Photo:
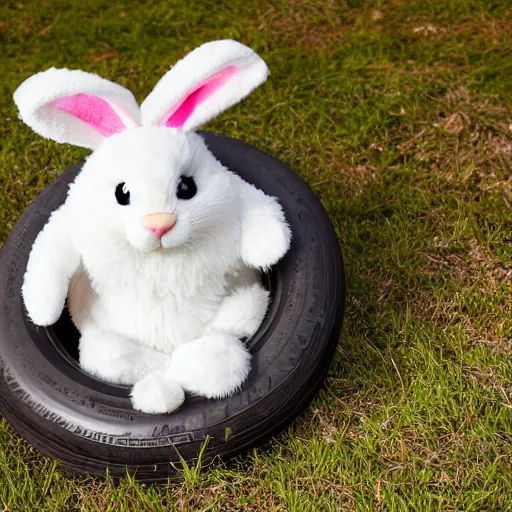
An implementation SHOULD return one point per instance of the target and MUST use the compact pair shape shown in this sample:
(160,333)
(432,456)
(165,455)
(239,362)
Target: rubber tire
(90,425)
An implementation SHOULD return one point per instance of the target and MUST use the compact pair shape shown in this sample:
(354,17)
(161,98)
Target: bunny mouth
(175,237)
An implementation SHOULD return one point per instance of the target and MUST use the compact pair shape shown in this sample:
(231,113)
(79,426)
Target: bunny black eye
(122,194)
(186,188)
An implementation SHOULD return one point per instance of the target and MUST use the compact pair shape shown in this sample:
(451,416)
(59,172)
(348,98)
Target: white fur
(266,236)
(36,97)
(241,312)
(52,263)
(125,361)
(155,394)
(221,364)
(165,315)
(195,68)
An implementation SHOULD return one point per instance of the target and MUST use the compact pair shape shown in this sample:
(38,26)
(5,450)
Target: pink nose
(159,223)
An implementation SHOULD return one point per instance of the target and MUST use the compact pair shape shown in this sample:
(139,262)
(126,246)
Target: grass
(399,116)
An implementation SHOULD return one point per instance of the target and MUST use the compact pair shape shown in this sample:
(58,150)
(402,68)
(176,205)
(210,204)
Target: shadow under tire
(90,425)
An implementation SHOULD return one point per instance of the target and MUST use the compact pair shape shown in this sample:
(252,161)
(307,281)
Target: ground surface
(399,116)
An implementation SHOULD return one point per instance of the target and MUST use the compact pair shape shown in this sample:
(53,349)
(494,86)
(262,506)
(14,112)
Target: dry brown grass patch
(469,262)
(465,139)
(495,30)
(305,24)
(337,169)
(488,380)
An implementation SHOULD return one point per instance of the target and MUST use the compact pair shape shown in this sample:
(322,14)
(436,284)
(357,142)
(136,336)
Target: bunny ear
(203,84)
(75,107)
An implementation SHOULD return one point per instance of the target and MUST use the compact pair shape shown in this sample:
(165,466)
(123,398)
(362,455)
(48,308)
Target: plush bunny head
(151,182)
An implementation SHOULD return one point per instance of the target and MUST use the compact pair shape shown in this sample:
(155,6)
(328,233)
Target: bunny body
(162,307)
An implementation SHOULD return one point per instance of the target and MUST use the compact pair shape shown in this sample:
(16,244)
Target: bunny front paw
(44,296)
(264,243)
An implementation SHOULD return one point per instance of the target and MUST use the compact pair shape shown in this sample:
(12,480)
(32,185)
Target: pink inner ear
(94,111)
(179,115)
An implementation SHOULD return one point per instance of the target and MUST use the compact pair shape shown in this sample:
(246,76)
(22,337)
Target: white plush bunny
(157,244)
